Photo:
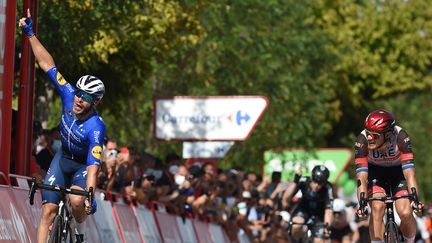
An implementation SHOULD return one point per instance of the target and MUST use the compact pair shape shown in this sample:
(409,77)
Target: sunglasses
(374,135)
(85,96)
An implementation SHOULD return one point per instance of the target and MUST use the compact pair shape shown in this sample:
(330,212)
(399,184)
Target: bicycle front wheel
(391,233)
(56,230)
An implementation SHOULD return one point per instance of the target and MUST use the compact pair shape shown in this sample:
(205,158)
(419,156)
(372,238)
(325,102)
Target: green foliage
(323,65)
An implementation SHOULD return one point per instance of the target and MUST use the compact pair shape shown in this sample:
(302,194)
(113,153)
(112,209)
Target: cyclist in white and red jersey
(384,160)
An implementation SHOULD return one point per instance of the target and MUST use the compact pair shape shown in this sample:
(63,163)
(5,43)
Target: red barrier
(30,214)
(217,233)
(127,223)
(186,228)
(202,231)
(147,224)
(168,227)
(12,225)
(113,222)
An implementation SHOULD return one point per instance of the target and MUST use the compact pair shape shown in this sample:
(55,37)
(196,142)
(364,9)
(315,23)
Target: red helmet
(380,121)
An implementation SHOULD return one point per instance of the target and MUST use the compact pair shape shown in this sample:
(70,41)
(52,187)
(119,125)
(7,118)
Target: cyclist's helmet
(320,174)
(91,85)
(380,121)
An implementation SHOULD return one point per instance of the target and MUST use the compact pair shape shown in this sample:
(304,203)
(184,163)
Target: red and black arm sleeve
(360,154)
(404,145)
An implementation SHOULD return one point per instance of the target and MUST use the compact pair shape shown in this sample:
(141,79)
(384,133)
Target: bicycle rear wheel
(56,230)
(391,233)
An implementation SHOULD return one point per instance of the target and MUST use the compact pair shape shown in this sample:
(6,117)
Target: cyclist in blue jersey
(82,131)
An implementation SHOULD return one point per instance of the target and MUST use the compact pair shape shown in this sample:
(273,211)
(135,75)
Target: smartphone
(112,154)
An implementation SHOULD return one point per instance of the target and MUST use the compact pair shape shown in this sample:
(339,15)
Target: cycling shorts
(63,172)
(386,180)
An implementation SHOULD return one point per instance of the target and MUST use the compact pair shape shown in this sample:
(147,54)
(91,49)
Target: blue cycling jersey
(82,140)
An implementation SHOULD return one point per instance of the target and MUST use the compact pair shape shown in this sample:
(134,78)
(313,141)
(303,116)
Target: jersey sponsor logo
(96,136)
(51,180)
(69,87)
(60,79)
(97,151)
(360,145)
(387,154)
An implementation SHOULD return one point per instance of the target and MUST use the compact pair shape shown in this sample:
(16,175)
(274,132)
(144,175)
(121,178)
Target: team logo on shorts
(60,79)
(96,151)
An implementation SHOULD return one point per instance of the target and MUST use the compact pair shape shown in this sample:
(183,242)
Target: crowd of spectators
(241,202)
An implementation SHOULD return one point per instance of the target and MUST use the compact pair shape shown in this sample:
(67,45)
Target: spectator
(44,153)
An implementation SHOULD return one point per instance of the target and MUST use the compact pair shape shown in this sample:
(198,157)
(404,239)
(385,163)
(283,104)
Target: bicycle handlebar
(363,200)
(34,185)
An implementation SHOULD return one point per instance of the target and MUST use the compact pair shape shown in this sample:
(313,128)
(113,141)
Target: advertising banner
(127,222)
(106,223)
(219,118)
(216,233)
(168,227)
(202,231)
(12,224)
(147,225)
(30,213)
(186,230)
(287,161)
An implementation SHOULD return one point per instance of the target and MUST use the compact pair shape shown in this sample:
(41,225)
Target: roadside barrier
(113,222)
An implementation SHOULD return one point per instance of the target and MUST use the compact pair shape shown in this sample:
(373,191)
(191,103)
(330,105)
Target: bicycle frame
(64,215)
(391,233)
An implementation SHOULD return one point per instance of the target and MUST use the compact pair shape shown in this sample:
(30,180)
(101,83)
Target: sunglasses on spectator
(374,135)
(84,96)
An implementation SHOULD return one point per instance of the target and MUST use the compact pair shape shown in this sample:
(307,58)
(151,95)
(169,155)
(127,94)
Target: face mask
(56,145)
(179,179)
(173,169)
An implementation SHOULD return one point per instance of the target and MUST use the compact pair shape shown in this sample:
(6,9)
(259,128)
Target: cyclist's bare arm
(44,59)
(407,157)
(288,194)
(362,180)
(411,179)
(328,216)
(92,171)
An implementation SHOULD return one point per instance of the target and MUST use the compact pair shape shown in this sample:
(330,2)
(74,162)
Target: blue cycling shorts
(63,172)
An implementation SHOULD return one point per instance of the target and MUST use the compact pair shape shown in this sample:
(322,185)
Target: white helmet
(92,85)
(338,205)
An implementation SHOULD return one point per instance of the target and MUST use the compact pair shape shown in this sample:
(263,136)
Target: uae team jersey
(397,153)
(82,140)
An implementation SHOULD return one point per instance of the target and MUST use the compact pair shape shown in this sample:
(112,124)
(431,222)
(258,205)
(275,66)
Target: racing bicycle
(391,233)
(64,226)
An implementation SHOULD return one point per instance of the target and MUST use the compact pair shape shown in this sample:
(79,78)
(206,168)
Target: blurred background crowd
(242,202)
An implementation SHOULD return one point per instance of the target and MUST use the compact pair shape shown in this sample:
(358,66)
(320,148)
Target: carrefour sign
(208,118)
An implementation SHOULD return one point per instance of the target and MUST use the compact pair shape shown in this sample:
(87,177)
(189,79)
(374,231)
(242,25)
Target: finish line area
(114,220)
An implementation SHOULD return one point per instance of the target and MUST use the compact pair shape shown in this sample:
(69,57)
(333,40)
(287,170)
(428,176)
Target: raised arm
(44,59)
